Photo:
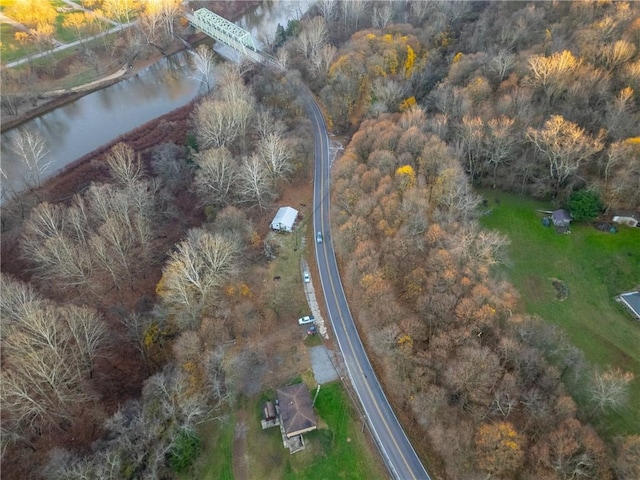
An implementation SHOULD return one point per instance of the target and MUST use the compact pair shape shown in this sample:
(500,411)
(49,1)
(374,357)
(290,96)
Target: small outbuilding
(627,218)
(631,301)
(561,218)
(269,411)
(284,220)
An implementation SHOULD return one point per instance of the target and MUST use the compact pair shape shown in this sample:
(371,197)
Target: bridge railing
(222,29)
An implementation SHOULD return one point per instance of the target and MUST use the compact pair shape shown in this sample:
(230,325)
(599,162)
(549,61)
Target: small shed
(627,218)
(631,300)
(284,219)
(561,218)
(296,410)
(269,411)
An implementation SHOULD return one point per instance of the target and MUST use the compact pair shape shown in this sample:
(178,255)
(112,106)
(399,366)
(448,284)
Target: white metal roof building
(284,219)
(631,300)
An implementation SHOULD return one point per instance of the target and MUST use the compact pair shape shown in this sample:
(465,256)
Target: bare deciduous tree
(204,61)
(327,8)
(610,389)
(275,152)
(553,74)
(217,123)
(124,165)
(255,185)
(32,150)
(622,174)
(472,375)
(382,15)
(322,58)
(158,18)
(216,177)
(195,272)
(500,143)
(617,54)
(502,63)
(312,36)
(54,254)
(472,136)
(48,357)
(565,146)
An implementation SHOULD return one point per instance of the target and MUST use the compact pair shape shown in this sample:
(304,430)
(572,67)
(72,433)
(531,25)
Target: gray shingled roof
(296,410)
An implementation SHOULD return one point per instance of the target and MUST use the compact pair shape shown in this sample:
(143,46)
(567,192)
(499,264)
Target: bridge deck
(223,30)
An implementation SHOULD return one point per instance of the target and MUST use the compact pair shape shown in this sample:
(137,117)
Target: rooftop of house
(296,409)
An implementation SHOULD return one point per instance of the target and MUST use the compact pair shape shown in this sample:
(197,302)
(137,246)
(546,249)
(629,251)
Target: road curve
(398,453)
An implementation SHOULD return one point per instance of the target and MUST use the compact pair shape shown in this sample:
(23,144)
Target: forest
(432,100)
(437,100)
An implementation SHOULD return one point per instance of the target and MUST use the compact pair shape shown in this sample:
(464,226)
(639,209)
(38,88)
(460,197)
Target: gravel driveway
(321,362)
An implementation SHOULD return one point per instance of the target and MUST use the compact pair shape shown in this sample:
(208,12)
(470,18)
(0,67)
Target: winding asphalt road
(398,453)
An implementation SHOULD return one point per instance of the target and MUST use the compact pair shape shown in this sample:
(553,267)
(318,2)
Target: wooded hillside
(536,98)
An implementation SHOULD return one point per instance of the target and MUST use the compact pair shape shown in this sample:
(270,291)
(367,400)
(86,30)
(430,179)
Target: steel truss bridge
(223,30)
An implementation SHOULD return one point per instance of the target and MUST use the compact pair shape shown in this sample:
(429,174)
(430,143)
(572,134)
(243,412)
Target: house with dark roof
(296,410)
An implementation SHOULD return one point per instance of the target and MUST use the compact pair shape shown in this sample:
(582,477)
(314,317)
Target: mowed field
(595,266)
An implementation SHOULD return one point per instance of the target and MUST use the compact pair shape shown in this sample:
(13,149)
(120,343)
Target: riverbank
(51,100)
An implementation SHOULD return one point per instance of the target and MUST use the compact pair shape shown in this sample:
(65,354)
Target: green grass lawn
(336,450)
(290,301)
(11,49)
(215,461)
(596,266)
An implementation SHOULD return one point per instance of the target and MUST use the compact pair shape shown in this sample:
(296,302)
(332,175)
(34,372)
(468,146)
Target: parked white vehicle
(306,320)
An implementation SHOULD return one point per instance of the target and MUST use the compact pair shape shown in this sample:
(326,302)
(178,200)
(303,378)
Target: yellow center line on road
(344,326)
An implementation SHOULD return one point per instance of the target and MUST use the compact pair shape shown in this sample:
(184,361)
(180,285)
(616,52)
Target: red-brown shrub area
(120,372)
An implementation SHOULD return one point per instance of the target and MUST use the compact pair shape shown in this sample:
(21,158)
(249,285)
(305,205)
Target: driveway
(313,303)
(323,364)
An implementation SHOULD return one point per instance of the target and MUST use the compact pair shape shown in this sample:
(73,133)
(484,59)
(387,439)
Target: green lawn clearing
(289,300)
(336,450)
(595,266)
(216,460)
(12,49)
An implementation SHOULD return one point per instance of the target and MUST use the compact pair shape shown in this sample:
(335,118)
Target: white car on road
(306,277)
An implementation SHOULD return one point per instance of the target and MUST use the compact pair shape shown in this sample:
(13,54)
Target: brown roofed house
(296,410)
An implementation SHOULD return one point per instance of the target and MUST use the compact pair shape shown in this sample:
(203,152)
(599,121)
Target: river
(80,127)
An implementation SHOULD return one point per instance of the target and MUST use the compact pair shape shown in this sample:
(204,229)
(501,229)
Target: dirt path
(90,85)
(240,454)
(11,21)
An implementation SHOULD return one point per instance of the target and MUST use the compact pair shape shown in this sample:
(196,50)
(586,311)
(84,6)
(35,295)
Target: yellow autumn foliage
(499,448)
(407,176)
(405,340)
(409,62)
(408,104)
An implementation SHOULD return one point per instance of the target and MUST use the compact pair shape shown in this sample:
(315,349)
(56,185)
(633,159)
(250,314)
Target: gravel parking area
(322,364)
(313,304)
